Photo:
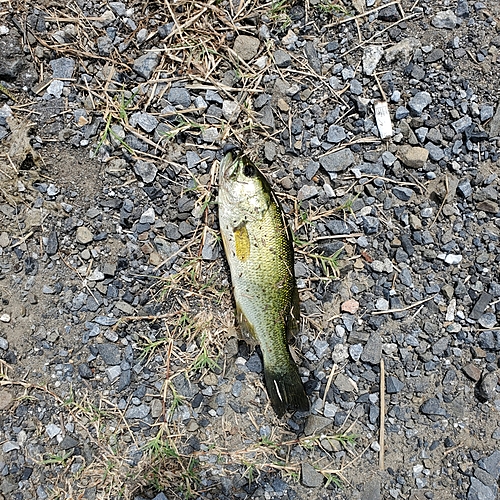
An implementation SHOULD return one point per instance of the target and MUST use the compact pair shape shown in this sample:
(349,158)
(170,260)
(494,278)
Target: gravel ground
(121,372)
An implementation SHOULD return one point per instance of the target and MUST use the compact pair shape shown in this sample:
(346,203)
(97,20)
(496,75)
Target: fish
(259,249)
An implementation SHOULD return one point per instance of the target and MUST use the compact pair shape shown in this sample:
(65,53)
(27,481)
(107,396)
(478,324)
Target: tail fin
(285,389)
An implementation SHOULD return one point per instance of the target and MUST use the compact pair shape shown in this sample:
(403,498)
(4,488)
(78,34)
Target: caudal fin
(285,389)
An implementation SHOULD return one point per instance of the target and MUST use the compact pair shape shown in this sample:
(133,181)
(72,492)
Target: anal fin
(247,331)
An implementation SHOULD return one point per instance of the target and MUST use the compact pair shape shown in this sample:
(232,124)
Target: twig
(401,309)
(444,200)
(382,415)
(329,382)
(359,16)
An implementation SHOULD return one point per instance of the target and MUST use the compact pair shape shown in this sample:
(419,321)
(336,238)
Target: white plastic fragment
(383,119)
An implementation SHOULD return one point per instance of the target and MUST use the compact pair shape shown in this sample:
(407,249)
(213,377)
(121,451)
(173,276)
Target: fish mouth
(229,163)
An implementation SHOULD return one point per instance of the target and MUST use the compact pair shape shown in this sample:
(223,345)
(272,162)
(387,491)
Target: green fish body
(259,250)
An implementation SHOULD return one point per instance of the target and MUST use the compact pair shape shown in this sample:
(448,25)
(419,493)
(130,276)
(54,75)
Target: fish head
(242,185)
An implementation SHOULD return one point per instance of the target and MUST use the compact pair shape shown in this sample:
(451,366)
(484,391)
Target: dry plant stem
(401,309)
(444,200)
(359,16)
(382,415)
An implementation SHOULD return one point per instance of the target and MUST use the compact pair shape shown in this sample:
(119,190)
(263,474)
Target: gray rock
(356,87)
(178,96)
(254,363)
(435,152)
(105,320)
(266,117)
(306,192)
(372,351)
(486,389)
(210,135)
(146,121)
(487,320)
(146,171)
(479,491)
(495,124)
(337,226)
(393,385)
(84,235)
(104,45)
(312,57)
(282,59)
(461,124)
(68,443)
(371,224)
(52,245)
(62,67)
(372,489)
(445,19)
(435,55)
(310,476)
(141,411)
(371,57)
(52,430)
(389,14)
(230,110)
(336,134)
(462,8)
(210,250)
(315,424)
(419,102)
(113,372)
(146,64)
(432,407)
(481,305)
(110,353)
(402,193)
(402,51)
(246,47)
(486,112)
(491,464)
(338,161)
(401,113)
(85,371)
(464,188)
(343,383)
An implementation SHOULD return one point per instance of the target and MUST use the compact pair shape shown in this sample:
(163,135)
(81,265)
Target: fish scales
(259,251)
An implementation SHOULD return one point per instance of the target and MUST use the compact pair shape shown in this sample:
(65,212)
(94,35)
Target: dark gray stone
(393,385)
(464,188)
(481,305)
(85,371)
(282,59)
(254,363)
(338,161)
(310,476)
(179,96)
(146,64)
(372,351)
(479,491)
(402,193)
(371,224)
(110,353)
(432,407)
(491,464)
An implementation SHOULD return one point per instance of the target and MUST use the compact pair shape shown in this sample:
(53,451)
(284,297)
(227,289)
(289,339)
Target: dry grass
(193,331)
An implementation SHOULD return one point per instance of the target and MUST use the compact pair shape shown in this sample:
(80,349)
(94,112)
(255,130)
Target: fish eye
(248,170)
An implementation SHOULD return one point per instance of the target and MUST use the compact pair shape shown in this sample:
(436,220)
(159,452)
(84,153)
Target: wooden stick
(401,309)
(382,415)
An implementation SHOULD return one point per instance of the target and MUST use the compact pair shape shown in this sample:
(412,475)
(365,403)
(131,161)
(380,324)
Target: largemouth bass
(259,250)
